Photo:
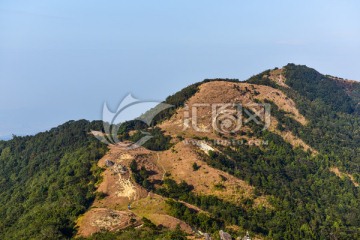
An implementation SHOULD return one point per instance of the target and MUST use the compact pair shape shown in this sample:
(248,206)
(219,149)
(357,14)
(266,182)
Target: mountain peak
(336,93)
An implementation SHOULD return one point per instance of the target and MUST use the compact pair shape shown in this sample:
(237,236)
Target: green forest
(47,180)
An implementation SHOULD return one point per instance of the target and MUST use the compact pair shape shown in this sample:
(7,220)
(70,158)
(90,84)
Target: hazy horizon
(62,60)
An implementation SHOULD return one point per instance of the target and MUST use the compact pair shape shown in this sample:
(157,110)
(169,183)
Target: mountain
(276,156)
(5,137)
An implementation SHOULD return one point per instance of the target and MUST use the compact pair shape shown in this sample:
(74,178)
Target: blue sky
(62,59)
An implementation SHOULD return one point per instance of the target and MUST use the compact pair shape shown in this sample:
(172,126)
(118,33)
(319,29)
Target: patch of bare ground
(178,162)
(277,76)
(343,175)
(105,219)
(116,184)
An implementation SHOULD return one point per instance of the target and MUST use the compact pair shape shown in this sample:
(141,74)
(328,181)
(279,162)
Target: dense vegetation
(137,131)
(47,180)
(222,213)
(315,86)
(140,176)
(325,206)
(310,202)
(157,140)
(333,127)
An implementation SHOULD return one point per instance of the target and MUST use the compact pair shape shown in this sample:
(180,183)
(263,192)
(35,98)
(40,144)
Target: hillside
(47,180)
(276,155)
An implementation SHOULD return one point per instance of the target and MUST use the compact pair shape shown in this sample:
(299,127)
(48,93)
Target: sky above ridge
(61,60)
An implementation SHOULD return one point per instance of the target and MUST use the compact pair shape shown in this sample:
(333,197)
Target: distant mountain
(6,137)
(277,156)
